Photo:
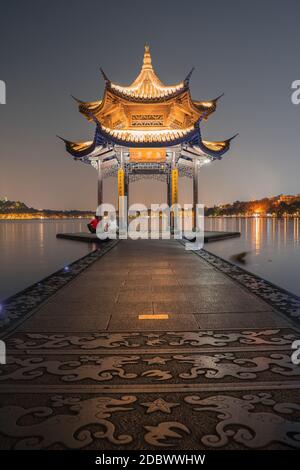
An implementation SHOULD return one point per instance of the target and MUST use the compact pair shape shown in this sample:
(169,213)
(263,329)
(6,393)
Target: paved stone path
(151,347)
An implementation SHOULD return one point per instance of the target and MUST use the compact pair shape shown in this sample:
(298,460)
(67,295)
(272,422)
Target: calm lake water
(272,244)
(30,251)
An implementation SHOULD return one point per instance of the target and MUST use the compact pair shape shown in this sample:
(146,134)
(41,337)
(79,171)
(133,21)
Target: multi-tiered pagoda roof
(147,113)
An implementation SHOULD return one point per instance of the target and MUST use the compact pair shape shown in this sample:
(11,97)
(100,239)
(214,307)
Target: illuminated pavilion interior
(147,130)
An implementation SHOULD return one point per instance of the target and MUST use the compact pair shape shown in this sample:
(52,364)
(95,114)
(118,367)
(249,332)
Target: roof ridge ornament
(77,99)
(188,77)
(105,77)
(218,97)
(147,61)
(61,138)
(233,137)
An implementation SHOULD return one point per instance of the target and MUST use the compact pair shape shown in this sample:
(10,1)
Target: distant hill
(6,206)
(19,210)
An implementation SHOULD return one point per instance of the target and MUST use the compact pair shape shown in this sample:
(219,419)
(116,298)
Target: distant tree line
(278,206)
(17,207)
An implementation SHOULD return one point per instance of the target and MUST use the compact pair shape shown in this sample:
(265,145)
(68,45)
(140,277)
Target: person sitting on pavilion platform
(92,225)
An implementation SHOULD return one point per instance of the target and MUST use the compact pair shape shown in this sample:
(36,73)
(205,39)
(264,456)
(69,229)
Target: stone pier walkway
(152,347)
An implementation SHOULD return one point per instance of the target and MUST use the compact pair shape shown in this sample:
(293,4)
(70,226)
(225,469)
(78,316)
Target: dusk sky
(50,50)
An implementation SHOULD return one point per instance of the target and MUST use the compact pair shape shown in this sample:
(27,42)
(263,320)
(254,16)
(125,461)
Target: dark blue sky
(248,50)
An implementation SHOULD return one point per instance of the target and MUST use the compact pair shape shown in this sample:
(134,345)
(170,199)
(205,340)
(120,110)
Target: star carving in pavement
(156,360)
(159,405)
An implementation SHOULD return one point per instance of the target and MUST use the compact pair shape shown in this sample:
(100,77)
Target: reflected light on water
(257,230)
(30,251)
(41,236)
(284,230)
(273,246)
(296,232)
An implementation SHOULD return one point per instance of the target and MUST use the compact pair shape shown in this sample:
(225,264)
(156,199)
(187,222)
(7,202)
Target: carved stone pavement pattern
(84,372)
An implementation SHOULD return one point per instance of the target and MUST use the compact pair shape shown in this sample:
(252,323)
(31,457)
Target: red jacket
(94,222)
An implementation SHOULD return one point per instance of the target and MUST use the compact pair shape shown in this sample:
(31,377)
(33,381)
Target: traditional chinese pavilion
(147,130)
